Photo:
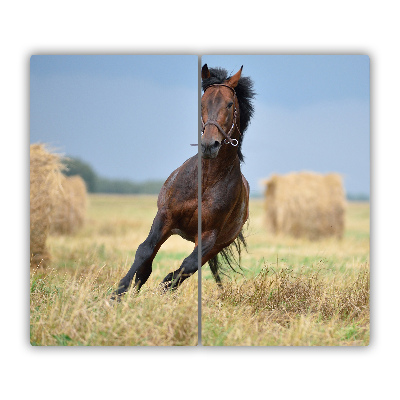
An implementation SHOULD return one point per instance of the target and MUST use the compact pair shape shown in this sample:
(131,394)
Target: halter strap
(228,138)
(221,84)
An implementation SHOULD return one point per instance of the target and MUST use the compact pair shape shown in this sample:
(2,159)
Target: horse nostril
(216,143)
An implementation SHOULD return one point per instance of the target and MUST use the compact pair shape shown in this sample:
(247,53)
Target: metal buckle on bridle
(231,142)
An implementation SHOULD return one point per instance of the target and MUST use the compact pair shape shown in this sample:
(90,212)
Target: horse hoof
(163,287)
(123,287)
(115,297)
(166,287)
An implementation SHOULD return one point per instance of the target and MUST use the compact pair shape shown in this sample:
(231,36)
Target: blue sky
(311,113)
(133,117)
(129,117)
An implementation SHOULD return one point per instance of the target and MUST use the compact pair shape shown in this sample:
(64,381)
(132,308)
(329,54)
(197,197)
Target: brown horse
(226,110)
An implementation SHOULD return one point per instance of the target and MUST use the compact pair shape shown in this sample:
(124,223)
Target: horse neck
(226,164)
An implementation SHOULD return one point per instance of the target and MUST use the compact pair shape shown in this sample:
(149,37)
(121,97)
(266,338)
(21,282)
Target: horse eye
(229,105)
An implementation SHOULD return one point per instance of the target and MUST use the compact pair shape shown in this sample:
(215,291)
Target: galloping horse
(226,110)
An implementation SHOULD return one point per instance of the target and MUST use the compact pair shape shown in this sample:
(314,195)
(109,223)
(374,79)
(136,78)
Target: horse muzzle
(210,150)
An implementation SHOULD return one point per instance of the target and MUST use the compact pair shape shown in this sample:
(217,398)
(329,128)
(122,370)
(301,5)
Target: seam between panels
(199,343)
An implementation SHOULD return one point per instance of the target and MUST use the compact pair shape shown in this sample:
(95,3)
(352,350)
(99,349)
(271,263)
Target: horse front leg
(142,265)
(190,263)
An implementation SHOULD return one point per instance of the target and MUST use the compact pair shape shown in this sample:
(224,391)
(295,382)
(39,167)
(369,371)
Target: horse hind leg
(225,257)
(214,265)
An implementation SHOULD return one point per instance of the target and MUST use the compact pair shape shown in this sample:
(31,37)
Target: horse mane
(244,93)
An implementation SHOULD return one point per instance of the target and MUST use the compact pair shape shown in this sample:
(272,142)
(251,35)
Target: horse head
(219,114)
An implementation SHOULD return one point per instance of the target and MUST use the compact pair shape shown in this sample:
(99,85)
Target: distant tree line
(97,184)
(357,197)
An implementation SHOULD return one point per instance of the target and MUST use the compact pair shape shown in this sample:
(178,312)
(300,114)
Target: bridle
(228,138)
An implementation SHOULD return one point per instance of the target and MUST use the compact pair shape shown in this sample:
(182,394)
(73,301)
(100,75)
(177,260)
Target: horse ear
(205,73)
(234,80)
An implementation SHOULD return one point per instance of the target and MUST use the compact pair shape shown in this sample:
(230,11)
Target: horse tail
(228,259)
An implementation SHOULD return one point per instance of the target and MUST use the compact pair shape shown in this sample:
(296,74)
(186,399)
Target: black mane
(244,93)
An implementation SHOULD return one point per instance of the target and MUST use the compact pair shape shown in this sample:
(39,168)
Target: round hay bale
(45,181)
(70,206)
(305,204)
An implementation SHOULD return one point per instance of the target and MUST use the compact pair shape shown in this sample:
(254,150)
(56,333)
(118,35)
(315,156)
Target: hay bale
(45,180)
(305,204)
(70,206)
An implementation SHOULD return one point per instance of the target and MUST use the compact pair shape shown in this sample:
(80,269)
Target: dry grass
(293,292)
(70,299)
(283,308)
(76,310)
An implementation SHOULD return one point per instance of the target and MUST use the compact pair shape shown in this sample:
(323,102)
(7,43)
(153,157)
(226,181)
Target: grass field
(292,292)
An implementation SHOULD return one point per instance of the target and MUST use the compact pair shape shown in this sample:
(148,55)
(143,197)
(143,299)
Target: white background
(251,27)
